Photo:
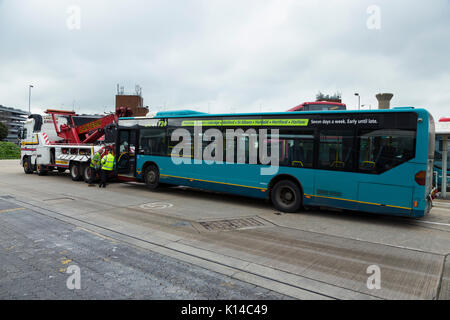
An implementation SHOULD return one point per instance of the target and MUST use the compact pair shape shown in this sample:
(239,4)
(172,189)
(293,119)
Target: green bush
(9,150)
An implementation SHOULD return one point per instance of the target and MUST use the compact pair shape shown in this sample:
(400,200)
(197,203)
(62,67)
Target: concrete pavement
(309,255)
(37,251)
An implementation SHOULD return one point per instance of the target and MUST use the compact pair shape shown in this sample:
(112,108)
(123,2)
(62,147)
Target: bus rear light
(420,177)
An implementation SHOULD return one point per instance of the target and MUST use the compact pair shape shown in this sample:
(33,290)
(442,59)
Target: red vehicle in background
(319,106)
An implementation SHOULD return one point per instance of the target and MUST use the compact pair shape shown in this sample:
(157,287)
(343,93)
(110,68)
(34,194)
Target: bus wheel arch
(151,175)
(286,193)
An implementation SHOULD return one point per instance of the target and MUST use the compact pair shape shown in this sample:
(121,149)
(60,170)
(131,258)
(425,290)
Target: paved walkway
(36,251)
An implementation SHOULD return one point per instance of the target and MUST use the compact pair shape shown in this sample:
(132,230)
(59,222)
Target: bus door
(126,153)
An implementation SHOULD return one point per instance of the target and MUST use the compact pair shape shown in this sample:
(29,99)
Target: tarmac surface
(37,251)
(181,243)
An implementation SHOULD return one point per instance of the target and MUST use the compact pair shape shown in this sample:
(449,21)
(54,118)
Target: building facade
(14,119)
(134,102)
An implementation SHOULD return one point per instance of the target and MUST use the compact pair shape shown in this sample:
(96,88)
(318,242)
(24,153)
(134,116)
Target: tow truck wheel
(75,171)
(27,167)
(87,173)
(41,170)
(151,177)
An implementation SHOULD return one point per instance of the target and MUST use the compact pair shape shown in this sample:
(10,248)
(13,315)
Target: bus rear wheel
(286,196)
(151,177)
(75,172)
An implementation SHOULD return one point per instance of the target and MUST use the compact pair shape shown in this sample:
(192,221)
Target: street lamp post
(359,101)
(29,98)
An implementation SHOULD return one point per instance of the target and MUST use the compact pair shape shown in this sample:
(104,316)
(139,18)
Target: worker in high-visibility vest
(107,163)
(95,166)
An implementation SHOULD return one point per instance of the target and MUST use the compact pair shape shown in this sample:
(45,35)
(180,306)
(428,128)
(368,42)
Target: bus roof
(191,114)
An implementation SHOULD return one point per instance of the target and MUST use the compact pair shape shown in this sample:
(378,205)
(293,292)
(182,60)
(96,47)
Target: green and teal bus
(379,161)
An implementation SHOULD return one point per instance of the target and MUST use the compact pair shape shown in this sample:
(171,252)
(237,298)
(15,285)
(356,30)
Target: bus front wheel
(151,177)
(286,196)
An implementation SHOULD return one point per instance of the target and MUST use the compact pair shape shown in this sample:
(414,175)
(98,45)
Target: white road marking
(441,205)
(156,205)
(438,223)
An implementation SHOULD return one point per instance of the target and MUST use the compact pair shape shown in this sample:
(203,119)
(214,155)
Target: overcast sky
(224,55)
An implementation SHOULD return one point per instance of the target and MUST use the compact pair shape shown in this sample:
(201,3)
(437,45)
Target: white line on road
(438,223)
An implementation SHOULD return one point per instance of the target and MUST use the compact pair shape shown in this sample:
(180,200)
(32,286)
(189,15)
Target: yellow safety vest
(108,162)
(95,160)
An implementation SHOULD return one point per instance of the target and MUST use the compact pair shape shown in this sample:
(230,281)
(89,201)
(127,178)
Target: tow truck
(63,140)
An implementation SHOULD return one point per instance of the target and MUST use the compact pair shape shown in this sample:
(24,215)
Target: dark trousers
(93,175)
(103,177)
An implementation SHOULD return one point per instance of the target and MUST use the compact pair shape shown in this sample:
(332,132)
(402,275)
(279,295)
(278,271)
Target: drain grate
(231,224)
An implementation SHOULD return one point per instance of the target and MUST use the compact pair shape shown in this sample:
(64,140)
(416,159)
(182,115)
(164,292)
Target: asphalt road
(218,245)
(36,251)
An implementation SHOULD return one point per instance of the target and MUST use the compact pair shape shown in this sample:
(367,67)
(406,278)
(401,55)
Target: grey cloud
(238,56)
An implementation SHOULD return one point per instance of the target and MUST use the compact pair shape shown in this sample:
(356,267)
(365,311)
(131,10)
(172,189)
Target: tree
(337,97)
(3,131)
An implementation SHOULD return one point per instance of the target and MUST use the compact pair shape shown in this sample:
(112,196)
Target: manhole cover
(232,224)
(156,205)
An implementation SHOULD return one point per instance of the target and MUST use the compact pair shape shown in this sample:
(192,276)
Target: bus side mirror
(20,134)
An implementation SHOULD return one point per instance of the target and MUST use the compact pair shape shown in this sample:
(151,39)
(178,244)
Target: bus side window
(209,141)
(242,148)
(381,150)
(153,141)
(179,143)
(296,148)
(336,149)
